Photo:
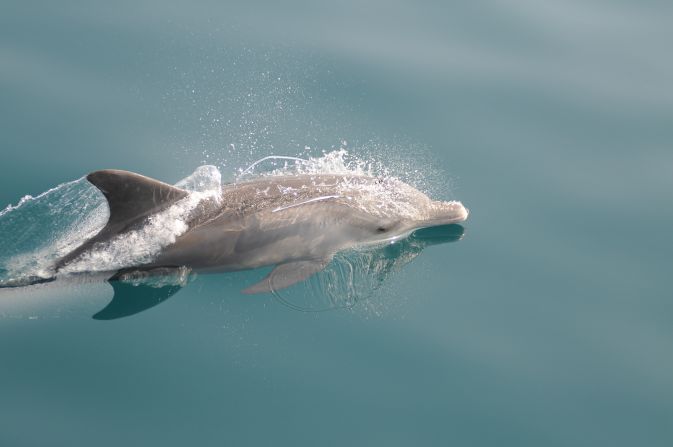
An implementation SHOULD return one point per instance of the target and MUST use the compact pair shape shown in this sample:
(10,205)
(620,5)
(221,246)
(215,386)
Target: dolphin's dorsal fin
(132,196)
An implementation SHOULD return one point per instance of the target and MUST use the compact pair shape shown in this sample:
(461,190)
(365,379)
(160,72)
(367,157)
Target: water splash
(388,196)
(337,162)
(205,179)
(38,230)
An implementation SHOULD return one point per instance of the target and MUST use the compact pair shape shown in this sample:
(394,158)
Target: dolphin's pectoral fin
(132,297)
(285,275)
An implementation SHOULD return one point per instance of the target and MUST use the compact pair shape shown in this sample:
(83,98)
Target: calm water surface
(551,321)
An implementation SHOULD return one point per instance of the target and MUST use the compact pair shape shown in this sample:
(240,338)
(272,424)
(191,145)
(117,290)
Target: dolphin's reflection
(352,276)
(130,299)
(136,291)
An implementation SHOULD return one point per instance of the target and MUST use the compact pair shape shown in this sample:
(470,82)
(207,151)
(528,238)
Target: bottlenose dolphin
(296,223)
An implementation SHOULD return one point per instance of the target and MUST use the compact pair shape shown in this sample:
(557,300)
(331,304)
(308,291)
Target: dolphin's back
(262,222)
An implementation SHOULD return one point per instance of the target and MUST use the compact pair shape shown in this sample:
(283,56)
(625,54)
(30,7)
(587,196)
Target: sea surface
(545,319)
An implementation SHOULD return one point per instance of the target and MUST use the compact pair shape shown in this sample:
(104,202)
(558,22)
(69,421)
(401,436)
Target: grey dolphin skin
(296,223)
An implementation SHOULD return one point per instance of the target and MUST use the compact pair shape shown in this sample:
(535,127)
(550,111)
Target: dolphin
(296,223)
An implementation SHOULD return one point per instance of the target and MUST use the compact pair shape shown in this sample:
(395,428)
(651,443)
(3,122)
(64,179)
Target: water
(548,323)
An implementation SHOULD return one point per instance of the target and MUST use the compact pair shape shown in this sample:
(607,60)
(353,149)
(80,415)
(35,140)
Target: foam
(387,197)
(28,198)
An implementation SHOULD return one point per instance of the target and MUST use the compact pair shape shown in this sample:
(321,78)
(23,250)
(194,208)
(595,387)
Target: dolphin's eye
(381,230)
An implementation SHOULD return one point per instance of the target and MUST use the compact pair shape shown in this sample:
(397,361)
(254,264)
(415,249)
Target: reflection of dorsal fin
(131,299)
(132,196)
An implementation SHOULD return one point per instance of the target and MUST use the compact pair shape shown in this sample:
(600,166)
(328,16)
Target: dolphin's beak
(445,213)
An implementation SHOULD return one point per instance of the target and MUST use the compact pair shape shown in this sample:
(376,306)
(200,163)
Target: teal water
(549,322)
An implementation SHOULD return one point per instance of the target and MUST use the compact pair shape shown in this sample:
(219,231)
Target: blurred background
(550,323)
